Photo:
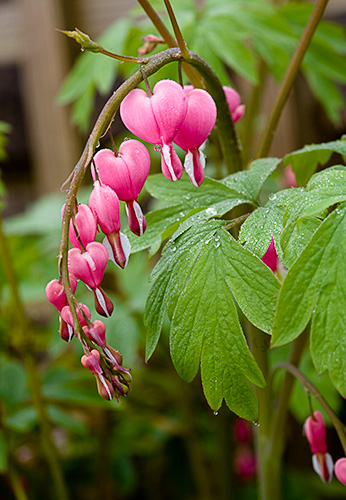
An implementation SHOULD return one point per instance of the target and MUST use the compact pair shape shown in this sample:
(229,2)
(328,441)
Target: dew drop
(272,196)
(157,148)
(215,413)
(82,49)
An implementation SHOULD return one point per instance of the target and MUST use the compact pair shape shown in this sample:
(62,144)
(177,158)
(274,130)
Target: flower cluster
(185,115)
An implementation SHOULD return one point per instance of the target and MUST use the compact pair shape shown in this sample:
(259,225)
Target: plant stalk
(23,342)
(289,79)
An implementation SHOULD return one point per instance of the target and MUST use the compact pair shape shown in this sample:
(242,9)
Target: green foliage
(5,129)
(195,281)
(315,287)
(226,34)
(306,160)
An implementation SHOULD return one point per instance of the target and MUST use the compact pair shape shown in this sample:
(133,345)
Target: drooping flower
(55,292)
(340,470)
(126,175)
(104,203)
(89,266)
(96,332)
(233,99)
(67,326)
(157,120)
(315,431)
(92,362)
(199,122)
(84,227)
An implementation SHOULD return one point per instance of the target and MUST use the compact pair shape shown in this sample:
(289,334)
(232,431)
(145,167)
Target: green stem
(228,140)
(16,485)
(309,386)
(176,28)
(23,342)
(192,75)
(289,79)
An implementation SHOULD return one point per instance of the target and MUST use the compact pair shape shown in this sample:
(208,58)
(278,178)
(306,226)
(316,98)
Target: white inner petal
(89,260)
(167,157)
(201,158)
(330,466)
(101,301)
(110,250)
(188,165)
(70,332)
(139,217)
(126,245)
(105,386)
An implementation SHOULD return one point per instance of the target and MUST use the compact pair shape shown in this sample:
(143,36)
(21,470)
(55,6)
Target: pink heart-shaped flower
(89,266)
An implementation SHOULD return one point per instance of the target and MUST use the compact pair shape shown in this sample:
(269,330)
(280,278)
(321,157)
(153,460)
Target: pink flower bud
(104,204)
(242,431)
(157,119)
(289,177)
(270,258)
(104,387)
(66,331)
(137,222)
(55,292)
(82,312)
(92,362)
(119,248)
(199,122)
(237,110)
(245,464)
(315,431)
(340,470)
(85,224)
(89,266)
(96,332)
(127,172)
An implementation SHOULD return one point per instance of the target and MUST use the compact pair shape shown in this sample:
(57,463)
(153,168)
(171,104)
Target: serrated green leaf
(293,243)
(188,204)
(265,222)
(306,160)
(249,182)
(316,286)
(169,276)
(205,324)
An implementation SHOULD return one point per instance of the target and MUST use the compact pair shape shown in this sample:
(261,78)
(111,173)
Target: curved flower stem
(309,386)
(23,342)
(228,139)
(289,79)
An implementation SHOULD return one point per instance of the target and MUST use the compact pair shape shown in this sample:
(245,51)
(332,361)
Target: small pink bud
(92,362)
(89,266)
(340,470)
(157,119)
(55,292)
(85,224)
(245,464)
(96,332)
(82,312)
(289,177)
(270,258)
(315,431)
(66,331)
(127,172)
(237,110)
(104,387)
(242,431)
(104,204)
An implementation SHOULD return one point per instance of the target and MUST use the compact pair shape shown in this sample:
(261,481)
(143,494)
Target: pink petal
(340,470)
(104,203)
(138,116)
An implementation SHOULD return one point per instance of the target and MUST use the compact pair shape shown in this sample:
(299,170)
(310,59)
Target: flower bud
(315,431)
(85,224)
(340,470)
(55,292)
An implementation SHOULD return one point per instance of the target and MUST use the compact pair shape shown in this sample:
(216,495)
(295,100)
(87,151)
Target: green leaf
(316,286)
(265,222)
(65,420)
(249,182)
(211,199)
(13,385)
(205,325)
(23,420)
(306,160)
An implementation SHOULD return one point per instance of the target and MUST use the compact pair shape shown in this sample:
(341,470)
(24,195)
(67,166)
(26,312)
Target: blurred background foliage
(162,441)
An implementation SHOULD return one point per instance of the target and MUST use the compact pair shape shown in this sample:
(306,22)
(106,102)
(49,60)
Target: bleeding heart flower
(55,292)
(233,98)
(315,431)
(340,470)
(126,175)
(85,224)
(199,122)
(67,324)
(157,119)
(89,266)
(104,203)
(270,258)
(92,362)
